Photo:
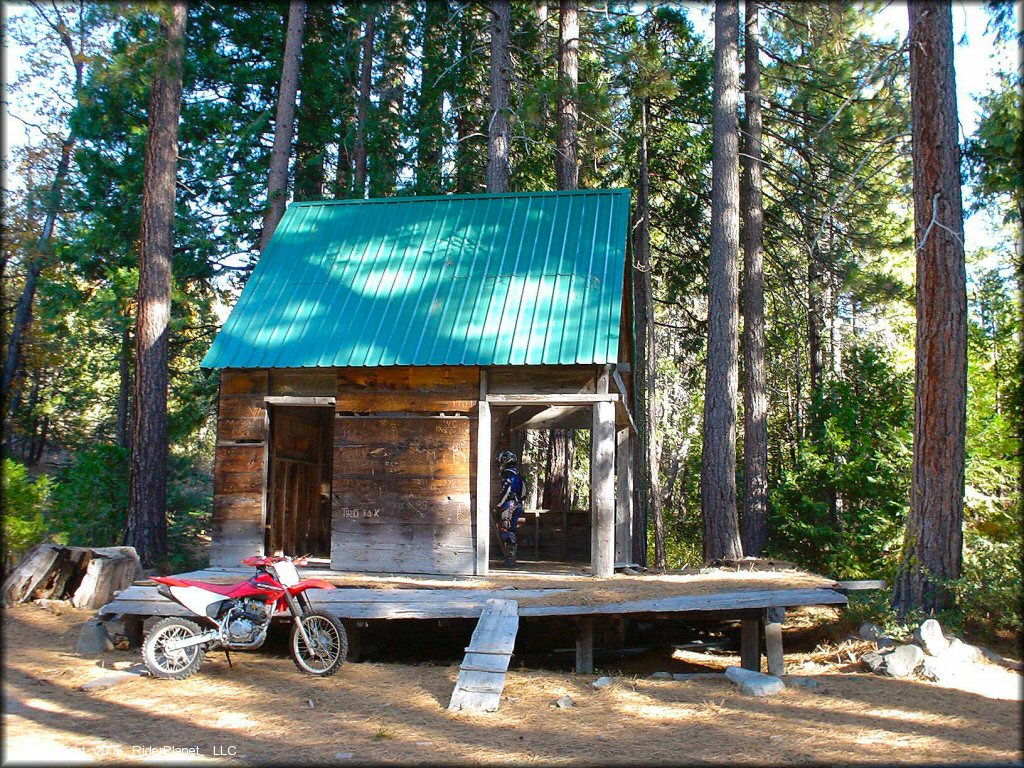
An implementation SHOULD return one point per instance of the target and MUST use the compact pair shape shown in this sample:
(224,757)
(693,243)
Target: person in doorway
(510,505)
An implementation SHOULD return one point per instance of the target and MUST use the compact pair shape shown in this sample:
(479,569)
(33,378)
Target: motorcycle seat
(220,589)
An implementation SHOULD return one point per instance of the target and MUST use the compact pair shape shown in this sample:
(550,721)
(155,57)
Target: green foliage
(90,503)
(840,508)
(25,503)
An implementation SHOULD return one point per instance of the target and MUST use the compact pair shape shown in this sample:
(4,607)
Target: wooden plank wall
(239,472)
(403,473)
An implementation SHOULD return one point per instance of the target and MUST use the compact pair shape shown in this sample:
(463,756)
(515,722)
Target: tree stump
(88,576)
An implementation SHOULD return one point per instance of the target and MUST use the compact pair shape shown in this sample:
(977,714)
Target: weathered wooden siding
(402,472)
(239,472)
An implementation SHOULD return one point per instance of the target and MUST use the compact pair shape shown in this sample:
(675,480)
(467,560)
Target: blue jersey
(511,487)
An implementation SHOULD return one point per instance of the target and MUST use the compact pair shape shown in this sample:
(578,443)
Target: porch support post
(623,497)
(585,646)
(483,480)
(750,643)
(602,491)
(773,618)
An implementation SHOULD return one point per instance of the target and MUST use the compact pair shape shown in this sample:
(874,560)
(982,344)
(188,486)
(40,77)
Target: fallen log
(88,576)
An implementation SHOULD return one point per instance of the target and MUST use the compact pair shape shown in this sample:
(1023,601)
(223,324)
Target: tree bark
(933,541)
(755,401)
(501,70)
(567,157)
(645,376)
(558,470)
(147,509)
(277,182)
(124,386)
(310,139)
(362,106)
(718,462)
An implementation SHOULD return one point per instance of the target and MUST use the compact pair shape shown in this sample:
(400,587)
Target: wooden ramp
(482,673)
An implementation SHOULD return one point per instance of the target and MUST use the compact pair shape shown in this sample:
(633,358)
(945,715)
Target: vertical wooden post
(750,644)
(624,497)
(773,618)
(602,491)
(585,646)
(133,630)
(483,480)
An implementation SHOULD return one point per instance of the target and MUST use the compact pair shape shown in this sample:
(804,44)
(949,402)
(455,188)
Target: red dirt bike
(237,616)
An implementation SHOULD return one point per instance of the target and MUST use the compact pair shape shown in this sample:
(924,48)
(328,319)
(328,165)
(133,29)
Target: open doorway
(552,446)
(299,481)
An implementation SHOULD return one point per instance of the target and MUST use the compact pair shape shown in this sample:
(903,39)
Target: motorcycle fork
(293,606)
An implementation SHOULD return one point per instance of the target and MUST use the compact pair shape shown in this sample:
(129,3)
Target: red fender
(310,584)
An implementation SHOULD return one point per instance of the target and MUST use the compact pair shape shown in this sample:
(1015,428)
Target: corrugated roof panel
(513,279)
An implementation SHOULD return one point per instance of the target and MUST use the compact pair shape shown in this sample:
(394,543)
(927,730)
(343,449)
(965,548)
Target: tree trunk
(541,13)
(23,310)
(501,71)
(430,113)
(277,181)
(567,159)
(645,376)
(147,506)
(718,462)
(311,136)
(933,541)
(124,385)
(386,142)
(755,400)
(558,471)
(363,105)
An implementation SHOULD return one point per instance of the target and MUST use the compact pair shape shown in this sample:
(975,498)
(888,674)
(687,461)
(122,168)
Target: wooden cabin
(383,351)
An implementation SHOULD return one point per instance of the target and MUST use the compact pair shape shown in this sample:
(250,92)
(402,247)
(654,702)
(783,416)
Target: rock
(684,676)
(873,661)
(885,642)
(754,683)
(660,676)
(800,682)
(869,631)
(342,755)
(630,571)
(56,607)
(602,682)
(564,702)
(93,639)
(903,661)
(929,636)
(959,651)
(109,680)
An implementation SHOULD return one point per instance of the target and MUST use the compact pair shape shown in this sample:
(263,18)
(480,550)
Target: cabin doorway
(299,481)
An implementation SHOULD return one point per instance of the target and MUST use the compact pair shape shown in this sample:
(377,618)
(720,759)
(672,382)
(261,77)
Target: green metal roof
(509,279)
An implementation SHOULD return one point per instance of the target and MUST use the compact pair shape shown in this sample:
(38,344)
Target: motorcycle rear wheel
(328,640)
(172,665)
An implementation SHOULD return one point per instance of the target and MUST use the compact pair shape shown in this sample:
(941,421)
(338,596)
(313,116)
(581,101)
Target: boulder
(869,631)
(660,676)
(602,682)
(873,661)
(564,702)
(903,661)
(754,683)
(885,642)
(961,652)
(929,636)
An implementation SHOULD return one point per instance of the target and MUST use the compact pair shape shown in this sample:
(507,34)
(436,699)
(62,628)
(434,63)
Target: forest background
(839,248)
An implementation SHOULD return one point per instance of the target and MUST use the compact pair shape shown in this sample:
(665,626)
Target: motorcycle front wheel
(172,664)
(328,644)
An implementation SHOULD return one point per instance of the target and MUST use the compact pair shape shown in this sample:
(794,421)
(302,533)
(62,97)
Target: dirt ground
(264,710)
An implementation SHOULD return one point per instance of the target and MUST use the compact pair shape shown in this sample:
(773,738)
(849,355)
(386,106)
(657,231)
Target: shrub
(25,502)
(90,505)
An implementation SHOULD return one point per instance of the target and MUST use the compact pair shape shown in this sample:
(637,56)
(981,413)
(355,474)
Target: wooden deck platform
(371,596)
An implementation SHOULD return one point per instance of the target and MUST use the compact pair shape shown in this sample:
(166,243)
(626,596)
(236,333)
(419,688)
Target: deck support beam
(773,618)
(750,644)
(602,491)
(483,480)
(585,646)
